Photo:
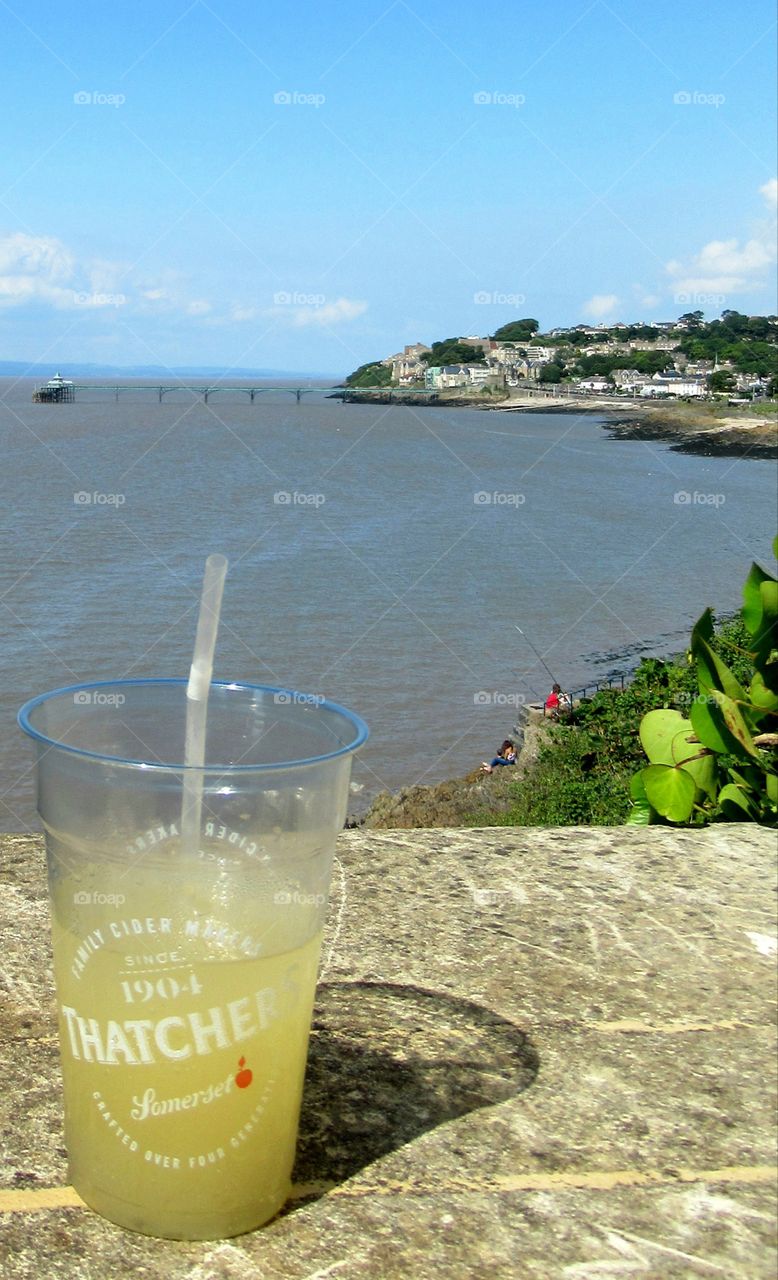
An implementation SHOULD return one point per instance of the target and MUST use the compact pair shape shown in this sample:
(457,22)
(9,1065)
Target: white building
(682,387)
(481,377)
(595,384)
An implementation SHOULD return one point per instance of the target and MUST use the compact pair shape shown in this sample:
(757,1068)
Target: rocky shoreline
(707,430)
(731,438)
(456,801)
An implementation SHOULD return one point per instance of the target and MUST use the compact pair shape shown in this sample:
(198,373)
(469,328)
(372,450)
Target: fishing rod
(537,655)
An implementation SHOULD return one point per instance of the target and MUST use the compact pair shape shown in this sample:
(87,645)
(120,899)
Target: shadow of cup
(389,1062)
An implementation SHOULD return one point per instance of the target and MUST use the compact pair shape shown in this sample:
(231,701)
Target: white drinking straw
(197,691)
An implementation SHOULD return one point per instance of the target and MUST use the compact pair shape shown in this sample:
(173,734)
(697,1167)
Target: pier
(66,392)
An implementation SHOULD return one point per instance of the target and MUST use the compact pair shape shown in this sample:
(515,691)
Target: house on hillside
(478,376)
(667,384)
(629,381)
(407,365)
(595,384)
(441,377)
(505,359)
(541,355)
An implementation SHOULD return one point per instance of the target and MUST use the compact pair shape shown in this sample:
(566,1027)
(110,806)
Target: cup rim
(361,731)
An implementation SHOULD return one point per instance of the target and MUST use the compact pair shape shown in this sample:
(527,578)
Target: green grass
(582,774)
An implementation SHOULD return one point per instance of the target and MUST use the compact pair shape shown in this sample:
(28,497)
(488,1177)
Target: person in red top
(552,702)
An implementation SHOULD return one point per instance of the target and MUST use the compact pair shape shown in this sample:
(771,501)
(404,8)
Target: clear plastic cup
(185,983)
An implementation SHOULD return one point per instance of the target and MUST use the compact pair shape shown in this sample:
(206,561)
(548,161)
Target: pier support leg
(299,395)
(159,394)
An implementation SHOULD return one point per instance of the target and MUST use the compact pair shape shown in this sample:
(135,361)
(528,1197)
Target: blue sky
(310,187)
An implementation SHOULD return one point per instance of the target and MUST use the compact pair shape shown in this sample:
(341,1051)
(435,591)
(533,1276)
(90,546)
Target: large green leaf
(765,638)
(736,804)
(641,814)
(658,729)
(752,600)
(762,697)
(747,776)
(684,744)
(769,671)
(708,722)
(686,749)
(768,590)
(704,770)
(734,722)
(712,673)
(670,791)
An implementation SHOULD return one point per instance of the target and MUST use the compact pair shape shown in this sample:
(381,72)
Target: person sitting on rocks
(506,755)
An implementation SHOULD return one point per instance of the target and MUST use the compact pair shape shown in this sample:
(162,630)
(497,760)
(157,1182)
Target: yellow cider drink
(184,1034)
(188,891)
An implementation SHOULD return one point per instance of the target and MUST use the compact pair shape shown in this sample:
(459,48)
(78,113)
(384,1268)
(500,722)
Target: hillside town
(685,359)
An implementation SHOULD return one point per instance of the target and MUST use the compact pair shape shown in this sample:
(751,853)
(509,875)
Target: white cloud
(42,270)
(600,306)
(43,256)
(729,266)
(106,276)
(35,267)
(770,193)
(241,314)
(330,313)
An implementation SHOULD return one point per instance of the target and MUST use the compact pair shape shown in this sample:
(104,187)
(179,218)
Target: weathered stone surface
(536,1053)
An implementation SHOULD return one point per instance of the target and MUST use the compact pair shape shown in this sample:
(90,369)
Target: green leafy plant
(721,762)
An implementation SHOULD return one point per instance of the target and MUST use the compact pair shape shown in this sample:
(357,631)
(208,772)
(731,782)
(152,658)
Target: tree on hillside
(516,331)
(551,373)
(734,321)
(722,380)
(372,374)
(649,362)
(453,351)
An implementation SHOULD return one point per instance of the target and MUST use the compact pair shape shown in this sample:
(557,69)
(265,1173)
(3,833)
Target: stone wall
(536,1053)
